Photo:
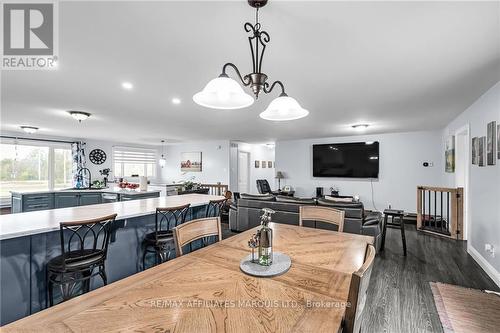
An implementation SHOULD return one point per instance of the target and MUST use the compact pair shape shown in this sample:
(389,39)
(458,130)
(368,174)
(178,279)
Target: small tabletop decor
(267,263)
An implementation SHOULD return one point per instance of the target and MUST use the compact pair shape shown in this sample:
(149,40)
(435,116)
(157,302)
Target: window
(130,161)
(33,166)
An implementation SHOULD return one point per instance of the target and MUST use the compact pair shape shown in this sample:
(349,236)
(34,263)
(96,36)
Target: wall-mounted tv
(350,160)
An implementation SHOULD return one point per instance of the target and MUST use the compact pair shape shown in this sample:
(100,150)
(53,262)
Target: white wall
(107,147)
(215,159)
(400,168)
(260,153)
(484,182)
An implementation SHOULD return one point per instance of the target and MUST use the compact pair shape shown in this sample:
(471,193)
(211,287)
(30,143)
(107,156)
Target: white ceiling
(399,66)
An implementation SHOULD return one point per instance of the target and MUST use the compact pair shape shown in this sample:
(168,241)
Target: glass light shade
(162,161)
(223,93)
(284,108)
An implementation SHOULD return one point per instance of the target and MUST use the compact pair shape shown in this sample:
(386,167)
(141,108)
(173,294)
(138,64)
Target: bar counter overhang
(29,240)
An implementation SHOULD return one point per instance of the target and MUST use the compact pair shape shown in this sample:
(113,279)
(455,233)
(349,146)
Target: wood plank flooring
(400,297)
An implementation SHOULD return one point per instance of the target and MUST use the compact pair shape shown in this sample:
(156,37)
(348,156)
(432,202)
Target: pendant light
(224,92)
(162,161)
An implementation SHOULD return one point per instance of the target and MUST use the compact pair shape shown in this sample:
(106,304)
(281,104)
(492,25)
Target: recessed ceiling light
(127,85)
(176,100)
(79,115)
(29,129)
(360,127)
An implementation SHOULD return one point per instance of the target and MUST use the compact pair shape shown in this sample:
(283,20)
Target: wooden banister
(440,210)
(215,189)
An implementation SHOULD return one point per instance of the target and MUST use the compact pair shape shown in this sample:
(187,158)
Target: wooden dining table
(205,291)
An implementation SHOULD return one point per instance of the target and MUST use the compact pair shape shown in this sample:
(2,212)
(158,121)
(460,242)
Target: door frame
(248,169)
(465,131)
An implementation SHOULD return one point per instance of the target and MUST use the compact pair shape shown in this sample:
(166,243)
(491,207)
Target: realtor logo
(29,35)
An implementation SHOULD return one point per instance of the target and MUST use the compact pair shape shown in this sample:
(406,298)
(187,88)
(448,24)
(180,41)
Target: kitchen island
(29,240)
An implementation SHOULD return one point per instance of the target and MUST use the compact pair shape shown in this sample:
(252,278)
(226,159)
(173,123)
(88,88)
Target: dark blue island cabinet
(23,260)
(29,202)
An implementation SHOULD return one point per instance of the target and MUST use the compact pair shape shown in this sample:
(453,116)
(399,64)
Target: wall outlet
(490,249)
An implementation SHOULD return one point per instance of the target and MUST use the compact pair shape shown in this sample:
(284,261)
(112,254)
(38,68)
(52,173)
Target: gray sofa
(246,212)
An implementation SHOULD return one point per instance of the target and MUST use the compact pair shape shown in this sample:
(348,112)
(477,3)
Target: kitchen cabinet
(31,202)
(63,200)
(128,197)
(90,199)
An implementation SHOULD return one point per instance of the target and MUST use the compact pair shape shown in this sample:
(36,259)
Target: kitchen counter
(24,224)
(29,240)
(116,190)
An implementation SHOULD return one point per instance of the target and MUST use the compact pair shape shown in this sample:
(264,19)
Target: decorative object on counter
(188,185)
(449,154)
(191,162)
(162,161)
(97,156)
(266,238)
(143,183)
(491,143)
(257,164)
(105,173)
(279,176)
(127,185)
(253,243)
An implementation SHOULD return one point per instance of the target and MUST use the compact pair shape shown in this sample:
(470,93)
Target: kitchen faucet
(80,174)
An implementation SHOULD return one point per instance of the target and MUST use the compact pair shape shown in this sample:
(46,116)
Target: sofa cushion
(335,199)
(282,198)
(261,197)
(351,209)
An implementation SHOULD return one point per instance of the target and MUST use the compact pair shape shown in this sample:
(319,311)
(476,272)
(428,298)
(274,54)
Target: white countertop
(98,190)
(30,223)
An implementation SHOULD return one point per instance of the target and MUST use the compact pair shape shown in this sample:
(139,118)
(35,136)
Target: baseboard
(485,265)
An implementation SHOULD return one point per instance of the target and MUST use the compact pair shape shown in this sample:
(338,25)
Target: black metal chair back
(88,236)
(263,186)
(215,207)
(170,217)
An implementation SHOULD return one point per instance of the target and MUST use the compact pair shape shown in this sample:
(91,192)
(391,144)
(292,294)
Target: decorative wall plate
(97,156)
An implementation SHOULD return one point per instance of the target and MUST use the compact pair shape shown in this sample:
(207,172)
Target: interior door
(243,172)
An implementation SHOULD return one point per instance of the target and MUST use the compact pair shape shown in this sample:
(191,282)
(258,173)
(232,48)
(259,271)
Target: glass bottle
(266,239)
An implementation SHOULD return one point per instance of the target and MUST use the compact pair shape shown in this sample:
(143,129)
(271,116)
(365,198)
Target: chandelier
(224,92)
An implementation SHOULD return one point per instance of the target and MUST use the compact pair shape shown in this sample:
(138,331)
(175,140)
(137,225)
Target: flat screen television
(350,160)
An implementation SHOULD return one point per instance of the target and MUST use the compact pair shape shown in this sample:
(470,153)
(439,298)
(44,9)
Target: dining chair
(84,248)
(160,242)
(357,293)
(199,229)
(322,214)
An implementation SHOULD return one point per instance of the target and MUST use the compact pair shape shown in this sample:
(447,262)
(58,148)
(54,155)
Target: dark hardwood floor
(399,297)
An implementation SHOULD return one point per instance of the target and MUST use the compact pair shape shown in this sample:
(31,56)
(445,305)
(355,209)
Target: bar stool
(215,207)
(394,213)
(161,241)
(84,248)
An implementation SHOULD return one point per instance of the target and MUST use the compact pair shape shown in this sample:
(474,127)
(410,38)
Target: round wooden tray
(281,264)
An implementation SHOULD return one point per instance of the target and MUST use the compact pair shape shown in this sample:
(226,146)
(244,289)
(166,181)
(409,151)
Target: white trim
(485,265)
(467,218)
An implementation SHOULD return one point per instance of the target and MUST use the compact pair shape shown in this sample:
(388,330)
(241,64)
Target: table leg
(403,237)
(384,230)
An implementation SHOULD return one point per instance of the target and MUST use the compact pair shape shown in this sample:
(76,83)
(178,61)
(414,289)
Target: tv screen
(352,160)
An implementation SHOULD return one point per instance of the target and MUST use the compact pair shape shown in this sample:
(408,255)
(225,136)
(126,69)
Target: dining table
(205,290)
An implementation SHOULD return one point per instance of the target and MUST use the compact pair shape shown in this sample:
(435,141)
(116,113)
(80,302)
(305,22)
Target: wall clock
(97,156)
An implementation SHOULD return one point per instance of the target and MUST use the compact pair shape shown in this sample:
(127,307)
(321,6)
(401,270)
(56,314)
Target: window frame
(135,149)
(52,146)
